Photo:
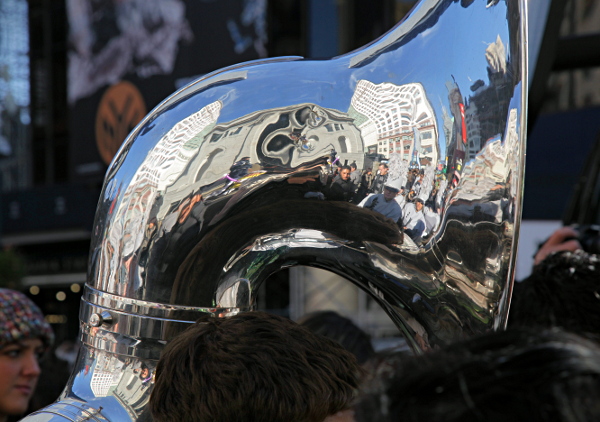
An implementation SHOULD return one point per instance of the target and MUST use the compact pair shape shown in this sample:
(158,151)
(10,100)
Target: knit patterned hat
(21,319)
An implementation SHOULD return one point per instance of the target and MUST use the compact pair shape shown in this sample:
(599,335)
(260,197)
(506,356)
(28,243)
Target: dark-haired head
(563,291)
(252,367)
(514,375)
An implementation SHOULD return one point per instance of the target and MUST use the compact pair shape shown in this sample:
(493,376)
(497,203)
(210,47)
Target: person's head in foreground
(562,291)
(516,375)
(24,337)
(342,330)
(253,366)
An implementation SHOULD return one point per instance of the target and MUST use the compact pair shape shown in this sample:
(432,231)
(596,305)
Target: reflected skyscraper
(396,119)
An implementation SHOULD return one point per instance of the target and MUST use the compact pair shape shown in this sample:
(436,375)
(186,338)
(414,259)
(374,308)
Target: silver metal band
(133,327)
(71,410)
(148,309)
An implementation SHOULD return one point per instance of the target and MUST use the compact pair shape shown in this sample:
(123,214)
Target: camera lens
(589,237)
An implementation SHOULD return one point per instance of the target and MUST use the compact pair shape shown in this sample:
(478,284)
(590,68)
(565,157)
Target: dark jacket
(340,190)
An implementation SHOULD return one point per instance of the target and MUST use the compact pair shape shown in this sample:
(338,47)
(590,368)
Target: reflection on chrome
(233,178)
(396,119)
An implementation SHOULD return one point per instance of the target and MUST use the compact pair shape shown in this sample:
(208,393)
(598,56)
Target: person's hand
(563,239)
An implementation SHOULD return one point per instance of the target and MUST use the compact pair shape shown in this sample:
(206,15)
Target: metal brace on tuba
(224,183)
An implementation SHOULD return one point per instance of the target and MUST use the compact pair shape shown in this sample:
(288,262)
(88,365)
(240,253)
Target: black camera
(589,237)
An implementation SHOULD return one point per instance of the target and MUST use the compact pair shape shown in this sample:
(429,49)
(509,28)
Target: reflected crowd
(410,200)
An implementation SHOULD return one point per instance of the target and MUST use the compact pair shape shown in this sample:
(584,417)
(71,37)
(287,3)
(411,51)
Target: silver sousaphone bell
(226,182)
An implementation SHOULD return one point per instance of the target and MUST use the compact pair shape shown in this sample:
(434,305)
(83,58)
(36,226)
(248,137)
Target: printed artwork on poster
(110,39)
(121,108)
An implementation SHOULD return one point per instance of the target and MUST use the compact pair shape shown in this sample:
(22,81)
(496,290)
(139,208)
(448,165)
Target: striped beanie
(21,319)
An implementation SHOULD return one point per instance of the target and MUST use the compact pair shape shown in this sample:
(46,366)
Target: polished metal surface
(228,180)
(106,387)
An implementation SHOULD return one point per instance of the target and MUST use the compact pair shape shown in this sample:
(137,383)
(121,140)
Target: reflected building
(282,137)
(473,127)
(486,106)
(129,385)
(396,119)
(457,140)
(133,390)
(162,166)
(490,175)
(106,376)
(478,119)
(447,128)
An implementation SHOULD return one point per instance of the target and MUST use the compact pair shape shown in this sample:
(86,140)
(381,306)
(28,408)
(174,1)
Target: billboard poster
(126,56)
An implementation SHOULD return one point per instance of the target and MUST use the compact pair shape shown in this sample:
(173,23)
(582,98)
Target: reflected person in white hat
(384,203)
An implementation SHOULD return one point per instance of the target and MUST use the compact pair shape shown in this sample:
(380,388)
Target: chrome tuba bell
(228,181)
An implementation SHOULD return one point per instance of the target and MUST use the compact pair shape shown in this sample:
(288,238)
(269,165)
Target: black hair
(563,290)
(252,367)
(514,375)
(342,330)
